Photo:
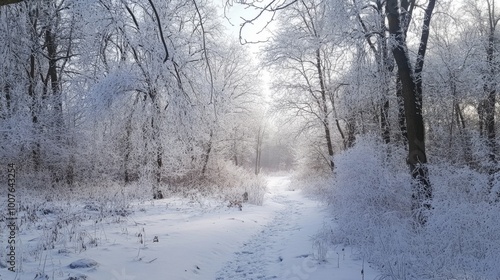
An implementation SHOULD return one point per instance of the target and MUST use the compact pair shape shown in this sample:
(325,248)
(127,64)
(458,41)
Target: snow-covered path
(283,249)
(204,242)
(263,256)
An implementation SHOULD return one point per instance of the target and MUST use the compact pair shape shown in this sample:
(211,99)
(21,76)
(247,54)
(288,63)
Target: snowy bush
(234,181)
(321,243)
(369,189)
(371,199)
(256,190)
(315,185)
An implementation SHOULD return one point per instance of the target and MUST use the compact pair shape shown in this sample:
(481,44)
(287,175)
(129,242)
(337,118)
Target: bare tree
(411,82)
(303,50)
(490,85)
(377,40)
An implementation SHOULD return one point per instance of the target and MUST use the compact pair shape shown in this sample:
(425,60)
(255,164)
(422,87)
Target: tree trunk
(341,132)
(481,116)
(385,68)
(489,108)
(158,150)
(7,91)
(411,90)
(158,146)
(326,122)
(351,131)
(7,2)
(207,154)
(460,117)
(128,149)
(128,143)
(34,103)
(384,121)
(50,42)
(258,149)
(401,112)
(235,150)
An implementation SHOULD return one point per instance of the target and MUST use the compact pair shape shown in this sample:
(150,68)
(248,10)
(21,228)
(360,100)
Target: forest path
(288,247)
(275,252)
(199,239)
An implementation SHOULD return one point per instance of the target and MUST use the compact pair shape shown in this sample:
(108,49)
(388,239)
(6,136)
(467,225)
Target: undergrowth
(370,198)
(72,219)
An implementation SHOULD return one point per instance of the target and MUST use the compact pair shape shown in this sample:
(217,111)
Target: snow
(205,241)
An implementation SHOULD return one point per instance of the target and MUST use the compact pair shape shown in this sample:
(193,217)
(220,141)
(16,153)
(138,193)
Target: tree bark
(337,121)
(384,121)
(401,112)
(258,149)
(411,90)
(481,116)
(489,108)
(385,67)
(7,2)
(128,149)
(55,84)
(207,154)
(156,140)
(351,131)
(326,122)
(34,103)
(235,148)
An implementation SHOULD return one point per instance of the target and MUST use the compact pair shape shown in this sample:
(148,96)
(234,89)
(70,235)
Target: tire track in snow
(263,249)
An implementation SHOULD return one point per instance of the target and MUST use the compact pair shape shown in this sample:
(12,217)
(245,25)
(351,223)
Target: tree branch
(161,31)
(7,2)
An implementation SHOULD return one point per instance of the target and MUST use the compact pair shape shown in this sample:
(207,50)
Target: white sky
(250,33)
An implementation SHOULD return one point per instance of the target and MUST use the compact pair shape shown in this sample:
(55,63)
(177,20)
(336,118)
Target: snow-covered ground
(177,238)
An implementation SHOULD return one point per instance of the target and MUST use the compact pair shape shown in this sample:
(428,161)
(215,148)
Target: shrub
(370,195)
